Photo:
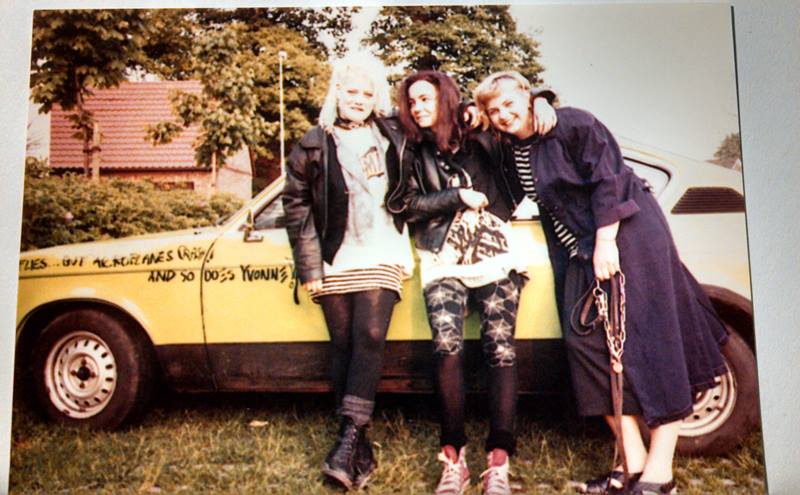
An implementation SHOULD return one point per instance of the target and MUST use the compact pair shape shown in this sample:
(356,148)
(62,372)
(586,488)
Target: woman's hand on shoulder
(313,286)
(473,199)
(472,116)
(544,116)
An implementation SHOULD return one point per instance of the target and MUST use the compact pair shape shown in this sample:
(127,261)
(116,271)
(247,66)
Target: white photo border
(768,65)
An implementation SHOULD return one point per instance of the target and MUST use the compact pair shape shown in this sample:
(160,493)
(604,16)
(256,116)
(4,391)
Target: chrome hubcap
(80,374)
(712,407)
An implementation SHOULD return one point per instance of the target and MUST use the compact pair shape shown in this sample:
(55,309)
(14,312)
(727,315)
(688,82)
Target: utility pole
(281,56)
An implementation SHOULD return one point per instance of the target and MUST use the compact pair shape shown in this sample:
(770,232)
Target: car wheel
(91,370)
(724,415)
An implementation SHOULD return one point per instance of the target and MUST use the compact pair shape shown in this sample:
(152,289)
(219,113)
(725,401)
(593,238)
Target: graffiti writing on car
(246,273)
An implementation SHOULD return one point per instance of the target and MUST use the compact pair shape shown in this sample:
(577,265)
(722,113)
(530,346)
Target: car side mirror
(250,234)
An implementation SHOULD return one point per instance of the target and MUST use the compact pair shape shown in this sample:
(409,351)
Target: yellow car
(219,309)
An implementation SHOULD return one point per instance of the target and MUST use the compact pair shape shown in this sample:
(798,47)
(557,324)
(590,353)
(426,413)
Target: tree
(730,149)
(77,50)
(175,31)
(168,48)
(468,43)
(334,22)
(729,152)
(238,106)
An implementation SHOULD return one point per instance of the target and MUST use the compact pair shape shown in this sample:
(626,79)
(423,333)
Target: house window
(174,185)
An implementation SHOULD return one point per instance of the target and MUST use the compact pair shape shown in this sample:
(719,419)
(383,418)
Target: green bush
(36,167)
(69,209)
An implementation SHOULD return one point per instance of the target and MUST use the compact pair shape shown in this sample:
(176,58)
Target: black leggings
(357,323)
(446,300)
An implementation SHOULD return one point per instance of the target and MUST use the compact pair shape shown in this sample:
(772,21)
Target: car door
(262,333)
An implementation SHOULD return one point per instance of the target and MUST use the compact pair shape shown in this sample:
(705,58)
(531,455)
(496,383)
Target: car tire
(724,415)
(89,369)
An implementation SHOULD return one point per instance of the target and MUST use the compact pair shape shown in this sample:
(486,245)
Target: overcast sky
(661,75)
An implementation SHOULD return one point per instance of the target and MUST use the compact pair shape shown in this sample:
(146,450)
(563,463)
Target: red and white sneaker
(455,475)
(495,478)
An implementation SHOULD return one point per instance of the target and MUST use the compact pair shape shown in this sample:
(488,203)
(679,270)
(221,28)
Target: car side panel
(303,366)
(154,281)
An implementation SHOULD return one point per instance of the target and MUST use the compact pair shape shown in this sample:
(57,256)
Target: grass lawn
(275,443)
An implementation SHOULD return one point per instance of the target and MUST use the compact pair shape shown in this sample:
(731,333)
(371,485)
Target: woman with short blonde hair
(350,253)
(600,219)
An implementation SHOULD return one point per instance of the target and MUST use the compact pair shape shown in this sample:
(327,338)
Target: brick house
(123,114)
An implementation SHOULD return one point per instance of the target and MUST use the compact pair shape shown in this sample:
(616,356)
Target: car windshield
(248,204)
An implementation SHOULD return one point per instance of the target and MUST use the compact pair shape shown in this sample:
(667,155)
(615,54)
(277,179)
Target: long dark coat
(673,332)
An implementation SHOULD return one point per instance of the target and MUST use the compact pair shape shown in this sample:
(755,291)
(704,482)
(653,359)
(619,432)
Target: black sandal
(612,483)
(646,488)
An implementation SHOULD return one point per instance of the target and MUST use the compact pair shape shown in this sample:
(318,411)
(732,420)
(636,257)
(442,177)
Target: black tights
(446,300)
(357,323)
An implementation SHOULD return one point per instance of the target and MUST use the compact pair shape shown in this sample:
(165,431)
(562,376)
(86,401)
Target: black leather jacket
(429,205)
(315,196)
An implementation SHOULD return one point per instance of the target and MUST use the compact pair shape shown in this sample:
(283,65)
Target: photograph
(445,249)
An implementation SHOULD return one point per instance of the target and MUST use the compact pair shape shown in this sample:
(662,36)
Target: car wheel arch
(735,310)
(36,320)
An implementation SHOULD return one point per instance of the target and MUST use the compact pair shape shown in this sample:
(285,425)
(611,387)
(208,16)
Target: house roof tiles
(124,114)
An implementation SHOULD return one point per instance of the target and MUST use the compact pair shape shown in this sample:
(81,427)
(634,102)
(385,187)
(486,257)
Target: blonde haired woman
(599,219)
(350,254)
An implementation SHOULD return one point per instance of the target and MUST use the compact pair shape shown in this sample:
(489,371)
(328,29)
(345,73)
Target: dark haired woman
(459,220)
(350,253)
(600,218)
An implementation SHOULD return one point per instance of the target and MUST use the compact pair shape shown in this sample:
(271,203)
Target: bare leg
(634,445)
(663,440)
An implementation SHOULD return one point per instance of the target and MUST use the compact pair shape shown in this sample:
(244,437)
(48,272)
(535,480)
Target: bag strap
(579,318)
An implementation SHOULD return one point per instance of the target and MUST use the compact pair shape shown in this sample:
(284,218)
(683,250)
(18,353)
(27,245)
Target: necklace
(350,124)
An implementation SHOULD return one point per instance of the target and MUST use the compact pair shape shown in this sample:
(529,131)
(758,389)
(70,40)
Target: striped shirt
(359,279)
(522,158)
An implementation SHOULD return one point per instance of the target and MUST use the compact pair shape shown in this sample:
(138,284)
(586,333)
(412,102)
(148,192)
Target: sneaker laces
(454,475)
(495,480)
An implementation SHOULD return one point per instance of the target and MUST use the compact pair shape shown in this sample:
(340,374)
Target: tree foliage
(466,42)
(168,48)
(238,106)
(69,209)
(77,50)
(233,52)
(335,22)
(730,148)
(174,31)
(36,168)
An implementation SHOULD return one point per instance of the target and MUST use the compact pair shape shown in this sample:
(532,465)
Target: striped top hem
(360,279)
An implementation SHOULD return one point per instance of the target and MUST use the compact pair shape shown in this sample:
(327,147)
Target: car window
(656,177)
(271,216)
